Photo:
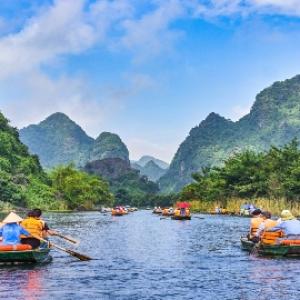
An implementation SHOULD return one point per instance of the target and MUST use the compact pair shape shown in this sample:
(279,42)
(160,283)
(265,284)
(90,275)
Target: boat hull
(271,250)
(246,244)
(181,217)
(28,256)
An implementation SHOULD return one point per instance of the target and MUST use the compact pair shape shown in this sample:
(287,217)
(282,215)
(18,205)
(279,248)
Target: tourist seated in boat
(35,227)
(46,230)
(266,224)
(11,230)
(255,222)
(289,225)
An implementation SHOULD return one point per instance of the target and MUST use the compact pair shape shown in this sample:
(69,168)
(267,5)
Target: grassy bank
(275,206)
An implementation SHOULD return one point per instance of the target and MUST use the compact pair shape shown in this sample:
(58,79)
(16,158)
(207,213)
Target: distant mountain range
(147,158)
(151,167)
(274,119)
(59,140)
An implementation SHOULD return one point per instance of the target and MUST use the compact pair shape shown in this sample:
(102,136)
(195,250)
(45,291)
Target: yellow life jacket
(33,226)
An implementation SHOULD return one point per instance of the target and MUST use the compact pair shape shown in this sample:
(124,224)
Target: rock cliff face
(108,168)
(273,120)
(59,140)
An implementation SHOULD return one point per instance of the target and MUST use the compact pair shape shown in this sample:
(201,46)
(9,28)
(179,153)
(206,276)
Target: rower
(46,230)
(266,224)
(256,220)
(35,227)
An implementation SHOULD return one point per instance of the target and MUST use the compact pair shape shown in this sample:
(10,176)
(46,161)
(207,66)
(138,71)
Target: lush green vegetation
(132,189)
(78,190)
(274,174)
(19,171)
(109,145)
(23,183)
(57,141)
(273,120)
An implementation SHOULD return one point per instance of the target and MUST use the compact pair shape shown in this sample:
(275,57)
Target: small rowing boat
(282,247)
(41,255)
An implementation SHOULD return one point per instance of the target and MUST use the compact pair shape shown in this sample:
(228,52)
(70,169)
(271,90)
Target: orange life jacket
(269,224)
(33,226)
(270,237)
(254,225)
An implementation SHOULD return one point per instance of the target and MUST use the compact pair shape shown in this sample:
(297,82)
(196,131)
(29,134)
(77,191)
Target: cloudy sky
(146,70)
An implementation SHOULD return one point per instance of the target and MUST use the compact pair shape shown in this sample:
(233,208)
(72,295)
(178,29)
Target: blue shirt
(11,233)
(289,227)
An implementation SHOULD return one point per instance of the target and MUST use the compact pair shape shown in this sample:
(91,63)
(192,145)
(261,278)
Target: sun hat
(12,218)
(286,215)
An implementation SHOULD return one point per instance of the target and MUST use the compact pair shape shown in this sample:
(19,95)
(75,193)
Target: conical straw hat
(12,218)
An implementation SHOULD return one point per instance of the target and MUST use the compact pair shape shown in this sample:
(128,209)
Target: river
(141,256)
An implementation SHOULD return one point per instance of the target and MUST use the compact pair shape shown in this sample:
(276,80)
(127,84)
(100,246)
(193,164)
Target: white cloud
(59,30)
(216,8)
(150,34)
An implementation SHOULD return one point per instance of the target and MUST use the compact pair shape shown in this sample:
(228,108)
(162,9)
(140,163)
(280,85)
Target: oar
(69,251)
(67,238)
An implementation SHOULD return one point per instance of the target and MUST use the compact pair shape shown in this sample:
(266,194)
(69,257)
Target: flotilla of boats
(272,244)
(180,212)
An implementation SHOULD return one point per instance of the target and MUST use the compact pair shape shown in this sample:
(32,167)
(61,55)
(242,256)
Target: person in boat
(35,227)
(46,230)
(255,222)
(11,230)
(289,225)
(266,224)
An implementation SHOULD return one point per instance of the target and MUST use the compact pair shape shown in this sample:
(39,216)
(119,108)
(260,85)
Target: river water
(141,256)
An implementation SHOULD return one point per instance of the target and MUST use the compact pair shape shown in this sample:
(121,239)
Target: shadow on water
(139,256)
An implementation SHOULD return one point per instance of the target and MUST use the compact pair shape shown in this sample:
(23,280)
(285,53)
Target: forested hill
(59,140)
(274,119)
(19,171)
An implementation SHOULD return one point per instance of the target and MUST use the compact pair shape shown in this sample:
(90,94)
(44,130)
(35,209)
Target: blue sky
(146,70)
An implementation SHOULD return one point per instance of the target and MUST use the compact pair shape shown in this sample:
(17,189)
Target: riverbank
(233,205)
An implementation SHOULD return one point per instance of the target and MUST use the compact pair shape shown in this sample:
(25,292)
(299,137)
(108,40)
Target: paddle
(69,251)
(67,238)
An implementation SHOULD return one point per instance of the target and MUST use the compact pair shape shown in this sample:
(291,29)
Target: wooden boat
(286,248)
(157,211)
(246,244)
(175,217)
(167,212)
(117,212)
(27,256)
(181,214)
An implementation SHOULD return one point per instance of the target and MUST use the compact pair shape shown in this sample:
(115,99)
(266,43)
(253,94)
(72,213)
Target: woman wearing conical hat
(11,230)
